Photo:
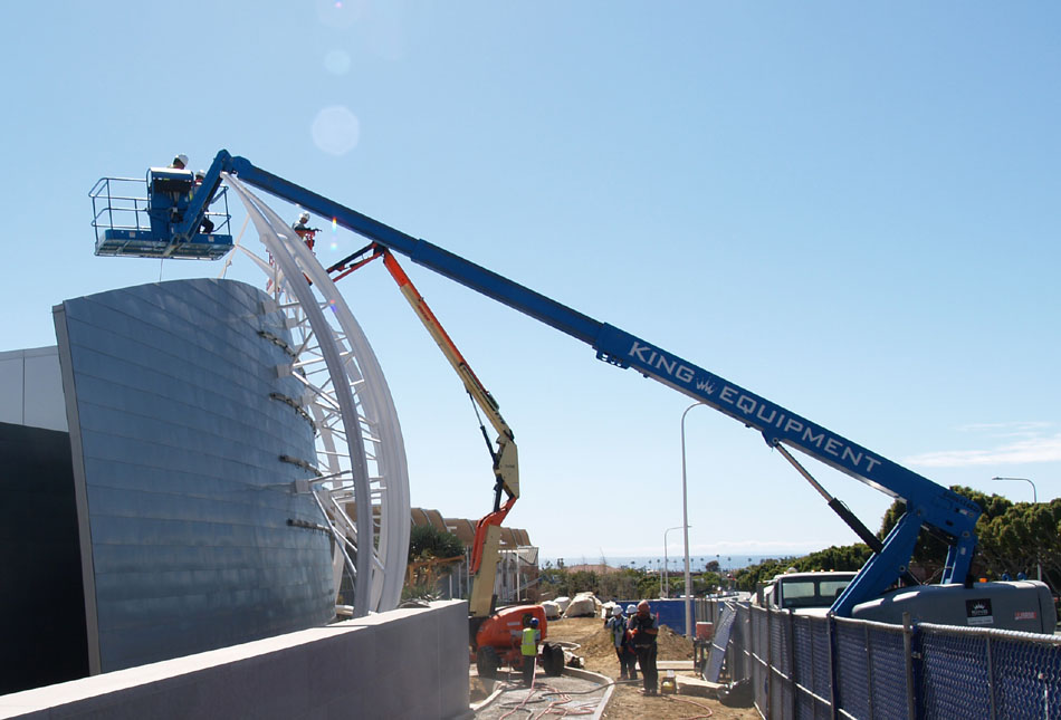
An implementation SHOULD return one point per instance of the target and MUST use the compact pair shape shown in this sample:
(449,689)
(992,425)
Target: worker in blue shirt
(621,641)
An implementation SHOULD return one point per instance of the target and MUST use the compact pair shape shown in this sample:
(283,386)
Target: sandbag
(584,605)
(737,694)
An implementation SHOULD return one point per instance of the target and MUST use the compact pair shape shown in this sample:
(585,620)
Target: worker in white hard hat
(644,629)
(621,641)
(180,162)
(304,231)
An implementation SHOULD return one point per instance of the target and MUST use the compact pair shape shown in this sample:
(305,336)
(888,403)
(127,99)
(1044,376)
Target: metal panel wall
(194,536)
(31,392)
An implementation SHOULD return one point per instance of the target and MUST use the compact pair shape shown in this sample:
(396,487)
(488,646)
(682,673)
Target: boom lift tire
(553,659)
(487,662)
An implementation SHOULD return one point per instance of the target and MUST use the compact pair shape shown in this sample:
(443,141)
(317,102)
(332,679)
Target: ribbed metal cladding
(196,539)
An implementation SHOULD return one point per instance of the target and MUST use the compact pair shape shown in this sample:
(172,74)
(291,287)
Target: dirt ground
(626,703)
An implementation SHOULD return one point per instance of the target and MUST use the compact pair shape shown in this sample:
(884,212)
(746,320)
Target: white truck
(806,592)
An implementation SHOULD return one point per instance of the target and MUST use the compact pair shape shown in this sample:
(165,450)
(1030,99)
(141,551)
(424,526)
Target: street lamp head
(1035,491)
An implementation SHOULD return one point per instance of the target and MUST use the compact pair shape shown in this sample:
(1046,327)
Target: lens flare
(337,62)
(336,130)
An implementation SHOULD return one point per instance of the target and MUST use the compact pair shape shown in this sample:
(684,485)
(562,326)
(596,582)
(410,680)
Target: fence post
(790,636)
(991,678)
(769,663)
(908,651)
(869,670)
(834,689)
(810,669)
(749,659)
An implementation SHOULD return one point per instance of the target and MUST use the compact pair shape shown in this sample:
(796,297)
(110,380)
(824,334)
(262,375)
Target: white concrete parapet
(399,664)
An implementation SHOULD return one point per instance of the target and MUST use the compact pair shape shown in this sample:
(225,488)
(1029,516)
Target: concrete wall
(400,664)
(31,388)
(44,637)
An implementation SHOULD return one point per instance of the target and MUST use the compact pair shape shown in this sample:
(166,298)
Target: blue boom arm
(927,503)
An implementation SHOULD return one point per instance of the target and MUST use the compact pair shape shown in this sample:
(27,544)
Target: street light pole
(689,630)
(666,562)
(1035,499)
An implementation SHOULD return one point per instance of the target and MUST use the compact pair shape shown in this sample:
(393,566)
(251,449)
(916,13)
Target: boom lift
(492,635)
(928,504)
(130,225)
(484,558)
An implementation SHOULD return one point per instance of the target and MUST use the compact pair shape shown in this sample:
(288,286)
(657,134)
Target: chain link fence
(820,668)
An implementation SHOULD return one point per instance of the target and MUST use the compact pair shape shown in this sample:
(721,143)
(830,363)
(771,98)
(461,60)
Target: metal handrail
(106,206)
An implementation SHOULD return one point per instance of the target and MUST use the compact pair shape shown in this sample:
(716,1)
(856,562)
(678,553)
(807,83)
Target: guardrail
(121,203)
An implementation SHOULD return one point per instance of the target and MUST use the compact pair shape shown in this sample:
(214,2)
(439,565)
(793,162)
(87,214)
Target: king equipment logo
(754,410)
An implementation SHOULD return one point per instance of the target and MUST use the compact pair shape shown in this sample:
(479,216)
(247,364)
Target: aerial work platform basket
(135,218)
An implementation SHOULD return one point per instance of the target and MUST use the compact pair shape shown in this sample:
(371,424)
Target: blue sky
(849,210)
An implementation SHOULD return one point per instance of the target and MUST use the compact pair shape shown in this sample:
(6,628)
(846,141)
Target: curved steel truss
(360,454)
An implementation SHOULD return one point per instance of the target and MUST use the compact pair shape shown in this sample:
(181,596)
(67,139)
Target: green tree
(648,585)
(930,552)
(845,557)
(426,541)
(427,545)
(583,581)
(748,578)
(1024,536)
(706,582)
(620,584)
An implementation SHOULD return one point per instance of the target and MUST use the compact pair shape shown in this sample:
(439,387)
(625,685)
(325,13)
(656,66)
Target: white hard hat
(304,216)
(631,609)
(182,159)
(617,611)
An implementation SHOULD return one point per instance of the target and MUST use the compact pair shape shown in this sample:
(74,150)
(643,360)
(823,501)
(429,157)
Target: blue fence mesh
(823,663)
(955,675)
(852,668)
(810,668)
(803,665)
(1027,679)
(887,672)
(948,672)
(758,637)
(737,658)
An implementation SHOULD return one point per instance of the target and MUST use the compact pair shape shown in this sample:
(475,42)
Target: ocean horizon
(654,562)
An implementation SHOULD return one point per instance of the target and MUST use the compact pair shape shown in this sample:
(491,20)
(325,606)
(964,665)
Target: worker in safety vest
(529,650)
(644,629)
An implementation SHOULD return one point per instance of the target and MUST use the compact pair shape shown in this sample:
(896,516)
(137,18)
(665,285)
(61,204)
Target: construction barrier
(670,612)
(816,667)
